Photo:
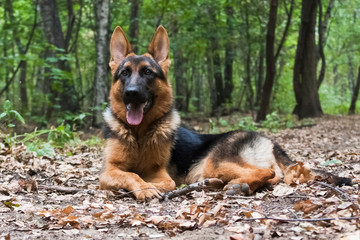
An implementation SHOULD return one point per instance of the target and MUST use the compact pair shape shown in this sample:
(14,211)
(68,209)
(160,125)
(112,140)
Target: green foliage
(40,148)
(334,100)
(246,124)
(192,30)
(9,114)
(223,122)
(213,127)
(272,122)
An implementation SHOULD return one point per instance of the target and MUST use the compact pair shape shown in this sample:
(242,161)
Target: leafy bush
(272,122)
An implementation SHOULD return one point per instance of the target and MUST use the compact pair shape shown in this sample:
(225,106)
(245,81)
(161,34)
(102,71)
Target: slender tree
(229,53)
(355,95)
(179,68)
(247,60)
(272,57)
(214,47)
(270,61)
(322,28)
(101,81)
(23,49)
(23,63)
(134,24)
(304,77)
(62,91)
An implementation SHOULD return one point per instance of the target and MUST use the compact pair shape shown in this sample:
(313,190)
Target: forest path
(30,209)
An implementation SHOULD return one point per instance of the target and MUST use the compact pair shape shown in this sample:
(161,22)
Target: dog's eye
(124,73)
(147,71)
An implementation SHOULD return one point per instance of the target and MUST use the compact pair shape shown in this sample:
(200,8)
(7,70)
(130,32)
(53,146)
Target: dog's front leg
(161,180)
(116,173)
(112,178)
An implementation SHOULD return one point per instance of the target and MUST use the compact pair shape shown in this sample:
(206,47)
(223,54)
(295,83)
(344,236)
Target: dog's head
(140,91)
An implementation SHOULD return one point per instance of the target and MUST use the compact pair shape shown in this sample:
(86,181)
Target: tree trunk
(217,74)
(271,59)
(180,81)
(179,69)
(249,91)
(270,62)
(229,54)
(215,55)
(355,95)
(64,92)
(101,81)
(304,77)
(322,28)
(23,63)
(350,72)
(134,24)
(260,76)
(210,78)
(198,83)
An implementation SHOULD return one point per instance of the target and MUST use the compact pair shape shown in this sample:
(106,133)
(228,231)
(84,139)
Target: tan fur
(232,173)
(138,158)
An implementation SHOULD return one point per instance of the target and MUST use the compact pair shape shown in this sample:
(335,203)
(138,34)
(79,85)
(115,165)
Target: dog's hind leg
(233,173)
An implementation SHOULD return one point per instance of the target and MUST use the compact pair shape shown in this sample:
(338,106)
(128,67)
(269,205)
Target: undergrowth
(41,142)
(273,123)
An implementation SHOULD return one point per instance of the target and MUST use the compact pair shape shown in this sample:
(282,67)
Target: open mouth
(135,112)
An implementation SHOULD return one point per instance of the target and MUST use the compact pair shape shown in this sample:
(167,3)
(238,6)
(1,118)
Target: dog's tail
(298,172)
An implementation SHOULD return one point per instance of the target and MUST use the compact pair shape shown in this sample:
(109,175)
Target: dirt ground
(57,198)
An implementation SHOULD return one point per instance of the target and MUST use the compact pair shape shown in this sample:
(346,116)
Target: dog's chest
(151,152)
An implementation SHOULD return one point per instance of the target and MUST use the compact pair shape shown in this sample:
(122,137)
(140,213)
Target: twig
(343,194)
(69,190)
(211,182)
(72,190)
(294,213)
(241,197)
(297,219)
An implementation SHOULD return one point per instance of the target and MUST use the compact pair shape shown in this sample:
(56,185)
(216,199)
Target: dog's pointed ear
(119,48)
(159,46)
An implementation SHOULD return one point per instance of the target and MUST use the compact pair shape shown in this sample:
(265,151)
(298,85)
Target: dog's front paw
(146,192)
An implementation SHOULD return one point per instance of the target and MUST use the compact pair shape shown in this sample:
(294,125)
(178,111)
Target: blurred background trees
(288,56)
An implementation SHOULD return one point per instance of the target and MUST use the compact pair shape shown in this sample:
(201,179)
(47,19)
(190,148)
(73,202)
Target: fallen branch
(342,193)
(298,219)
(68,190)
(211,182)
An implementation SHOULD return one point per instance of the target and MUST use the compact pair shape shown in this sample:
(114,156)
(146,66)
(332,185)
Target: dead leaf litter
(58,197)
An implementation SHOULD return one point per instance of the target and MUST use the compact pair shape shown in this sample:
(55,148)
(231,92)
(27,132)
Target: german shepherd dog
(147,151)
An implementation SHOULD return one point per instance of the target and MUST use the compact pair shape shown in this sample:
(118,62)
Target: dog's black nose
(132,91)
(135,94)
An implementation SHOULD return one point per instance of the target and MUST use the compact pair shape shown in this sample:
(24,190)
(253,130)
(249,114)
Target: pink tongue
(134,115)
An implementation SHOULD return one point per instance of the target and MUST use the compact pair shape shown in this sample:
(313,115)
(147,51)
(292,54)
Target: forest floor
(57,198)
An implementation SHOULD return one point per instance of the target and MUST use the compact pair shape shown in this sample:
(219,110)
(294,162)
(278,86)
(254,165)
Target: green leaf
(11,205)
(331,162)
(3,115)
(18,116)
(41,149)
(223,122)
(7,105)
(11,125)
(181,186)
